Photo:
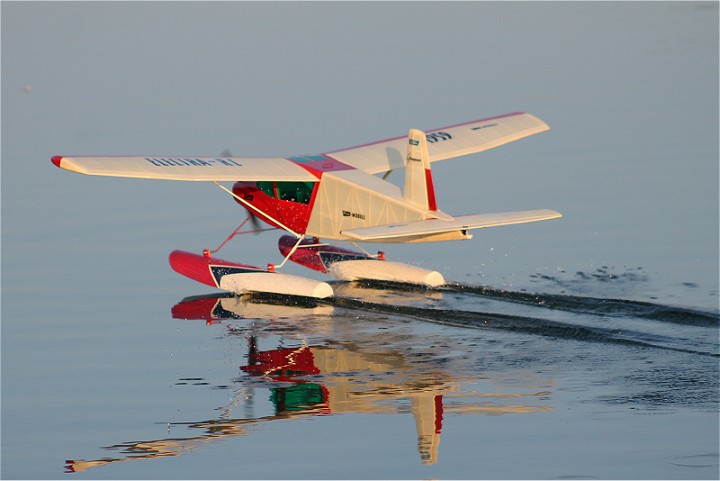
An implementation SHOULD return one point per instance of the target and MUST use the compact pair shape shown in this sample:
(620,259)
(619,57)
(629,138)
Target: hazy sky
(190,76)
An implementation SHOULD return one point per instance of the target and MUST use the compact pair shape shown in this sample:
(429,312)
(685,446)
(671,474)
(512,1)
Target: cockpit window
(267,188)
(295,191)
(290,191)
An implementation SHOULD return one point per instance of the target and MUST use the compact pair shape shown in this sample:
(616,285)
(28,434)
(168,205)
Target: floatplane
(334,196)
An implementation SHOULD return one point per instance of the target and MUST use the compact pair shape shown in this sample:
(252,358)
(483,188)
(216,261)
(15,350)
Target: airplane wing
(398,232)
(444,143)
(189,168)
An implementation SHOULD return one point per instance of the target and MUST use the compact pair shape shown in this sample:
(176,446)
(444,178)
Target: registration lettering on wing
(191,162)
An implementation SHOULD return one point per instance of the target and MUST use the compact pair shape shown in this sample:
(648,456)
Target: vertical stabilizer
(418,176)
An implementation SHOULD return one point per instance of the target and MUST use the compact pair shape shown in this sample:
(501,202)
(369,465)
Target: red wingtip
(57,159)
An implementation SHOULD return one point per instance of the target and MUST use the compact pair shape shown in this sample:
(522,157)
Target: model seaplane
(333,196)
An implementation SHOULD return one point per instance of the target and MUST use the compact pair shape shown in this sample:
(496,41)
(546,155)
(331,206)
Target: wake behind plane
(334,196)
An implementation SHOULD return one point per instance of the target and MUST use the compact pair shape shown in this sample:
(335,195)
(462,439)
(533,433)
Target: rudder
(418,187)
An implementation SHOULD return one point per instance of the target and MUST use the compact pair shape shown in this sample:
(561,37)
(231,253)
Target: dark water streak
(532,325)
(594,305)
(512,323)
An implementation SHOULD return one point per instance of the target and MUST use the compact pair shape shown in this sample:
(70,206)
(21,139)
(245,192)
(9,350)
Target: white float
(378,270)
(275,283)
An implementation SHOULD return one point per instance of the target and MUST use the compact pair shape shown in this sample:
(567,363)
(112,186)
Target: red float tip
(56,160)
(271,267)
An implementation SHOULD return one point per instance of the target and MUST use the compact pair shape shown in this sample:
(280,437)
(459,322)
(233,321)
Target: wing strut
(250,216)
(255,209)
(300,237)
(272,267)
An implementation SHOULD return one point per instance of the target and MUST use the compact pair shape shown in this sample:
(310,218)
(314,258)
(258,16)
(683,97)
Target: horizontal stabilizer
(431,227)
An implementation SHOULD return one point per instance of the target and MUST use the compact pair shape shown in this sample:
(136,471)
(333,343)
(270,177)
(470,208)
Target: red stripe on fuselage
(294,215)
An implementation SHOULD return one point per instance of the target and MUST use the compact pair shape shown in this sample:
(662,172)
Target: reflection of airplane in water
(350,385)
(218,307)
(334,377)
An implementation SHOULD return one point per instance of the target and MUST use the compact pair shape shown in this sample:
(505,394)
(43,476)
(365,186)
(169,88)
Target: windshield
(289,191)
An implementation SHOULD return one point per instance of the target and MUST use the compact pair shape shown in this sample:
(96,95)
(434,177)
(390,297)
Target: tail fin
(418,176)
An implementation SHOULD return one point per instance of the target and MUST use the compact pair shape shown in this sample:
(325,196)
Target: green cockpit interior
(289,191)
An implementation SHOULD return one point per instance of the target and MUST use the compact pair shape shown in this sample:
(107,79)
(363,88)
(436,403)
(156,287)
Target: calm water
(580,348)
